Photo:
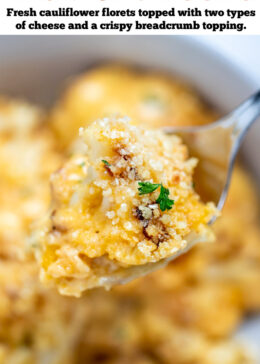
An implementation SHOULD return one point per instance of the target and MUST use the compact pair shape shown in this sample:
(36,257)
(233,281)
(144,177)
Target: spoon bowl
(216,146)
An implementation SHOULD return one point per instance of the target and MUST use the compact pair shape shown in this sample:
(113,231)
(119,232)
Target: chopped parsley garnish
(147,187)
(106,162)
(82,164)
(163,200)
(151,98)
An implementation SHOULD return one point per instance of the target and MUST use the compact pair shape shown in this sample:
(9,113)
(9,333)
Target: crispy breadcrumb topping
(128,202)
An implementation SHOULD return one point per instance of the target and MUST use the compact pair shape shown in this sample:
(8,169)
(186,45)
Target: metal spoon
(216,146)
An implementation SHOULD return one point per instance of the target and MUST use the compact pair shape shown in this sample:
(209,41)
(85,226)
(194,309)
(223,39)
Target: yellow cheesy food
(184,313)
(150,99)
(27,157)
(121,209)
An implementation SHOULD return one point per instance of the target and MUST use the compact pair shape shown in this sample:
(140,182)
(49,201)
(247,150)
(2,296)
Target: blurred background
(187,313)
(243,50)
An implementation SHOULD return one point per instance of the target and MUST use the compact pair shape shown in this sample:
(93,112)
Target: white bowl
(35,67)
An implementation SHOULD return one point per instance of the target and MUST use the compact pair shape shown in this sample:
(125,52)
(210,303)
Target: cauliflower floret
(125,208)
(150,99)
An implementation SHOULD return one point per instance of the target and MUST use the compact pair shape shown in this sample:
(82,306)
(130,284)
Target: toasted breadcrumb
(112,219)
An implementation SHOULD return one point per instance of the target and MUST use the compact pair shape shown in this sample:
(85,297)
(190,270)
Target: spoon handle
(238,122)
(243,117)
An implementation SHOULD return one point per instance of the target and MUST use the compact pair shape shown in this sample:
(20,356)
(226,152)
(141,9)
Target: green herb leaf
(147,187)
(82,164)
(106,163)
(154,101)
(151,98)
(163,200)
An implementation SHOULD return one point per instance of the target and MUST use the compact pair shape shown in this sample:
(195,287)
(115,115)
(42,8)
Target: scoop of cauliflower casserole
(124,207)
